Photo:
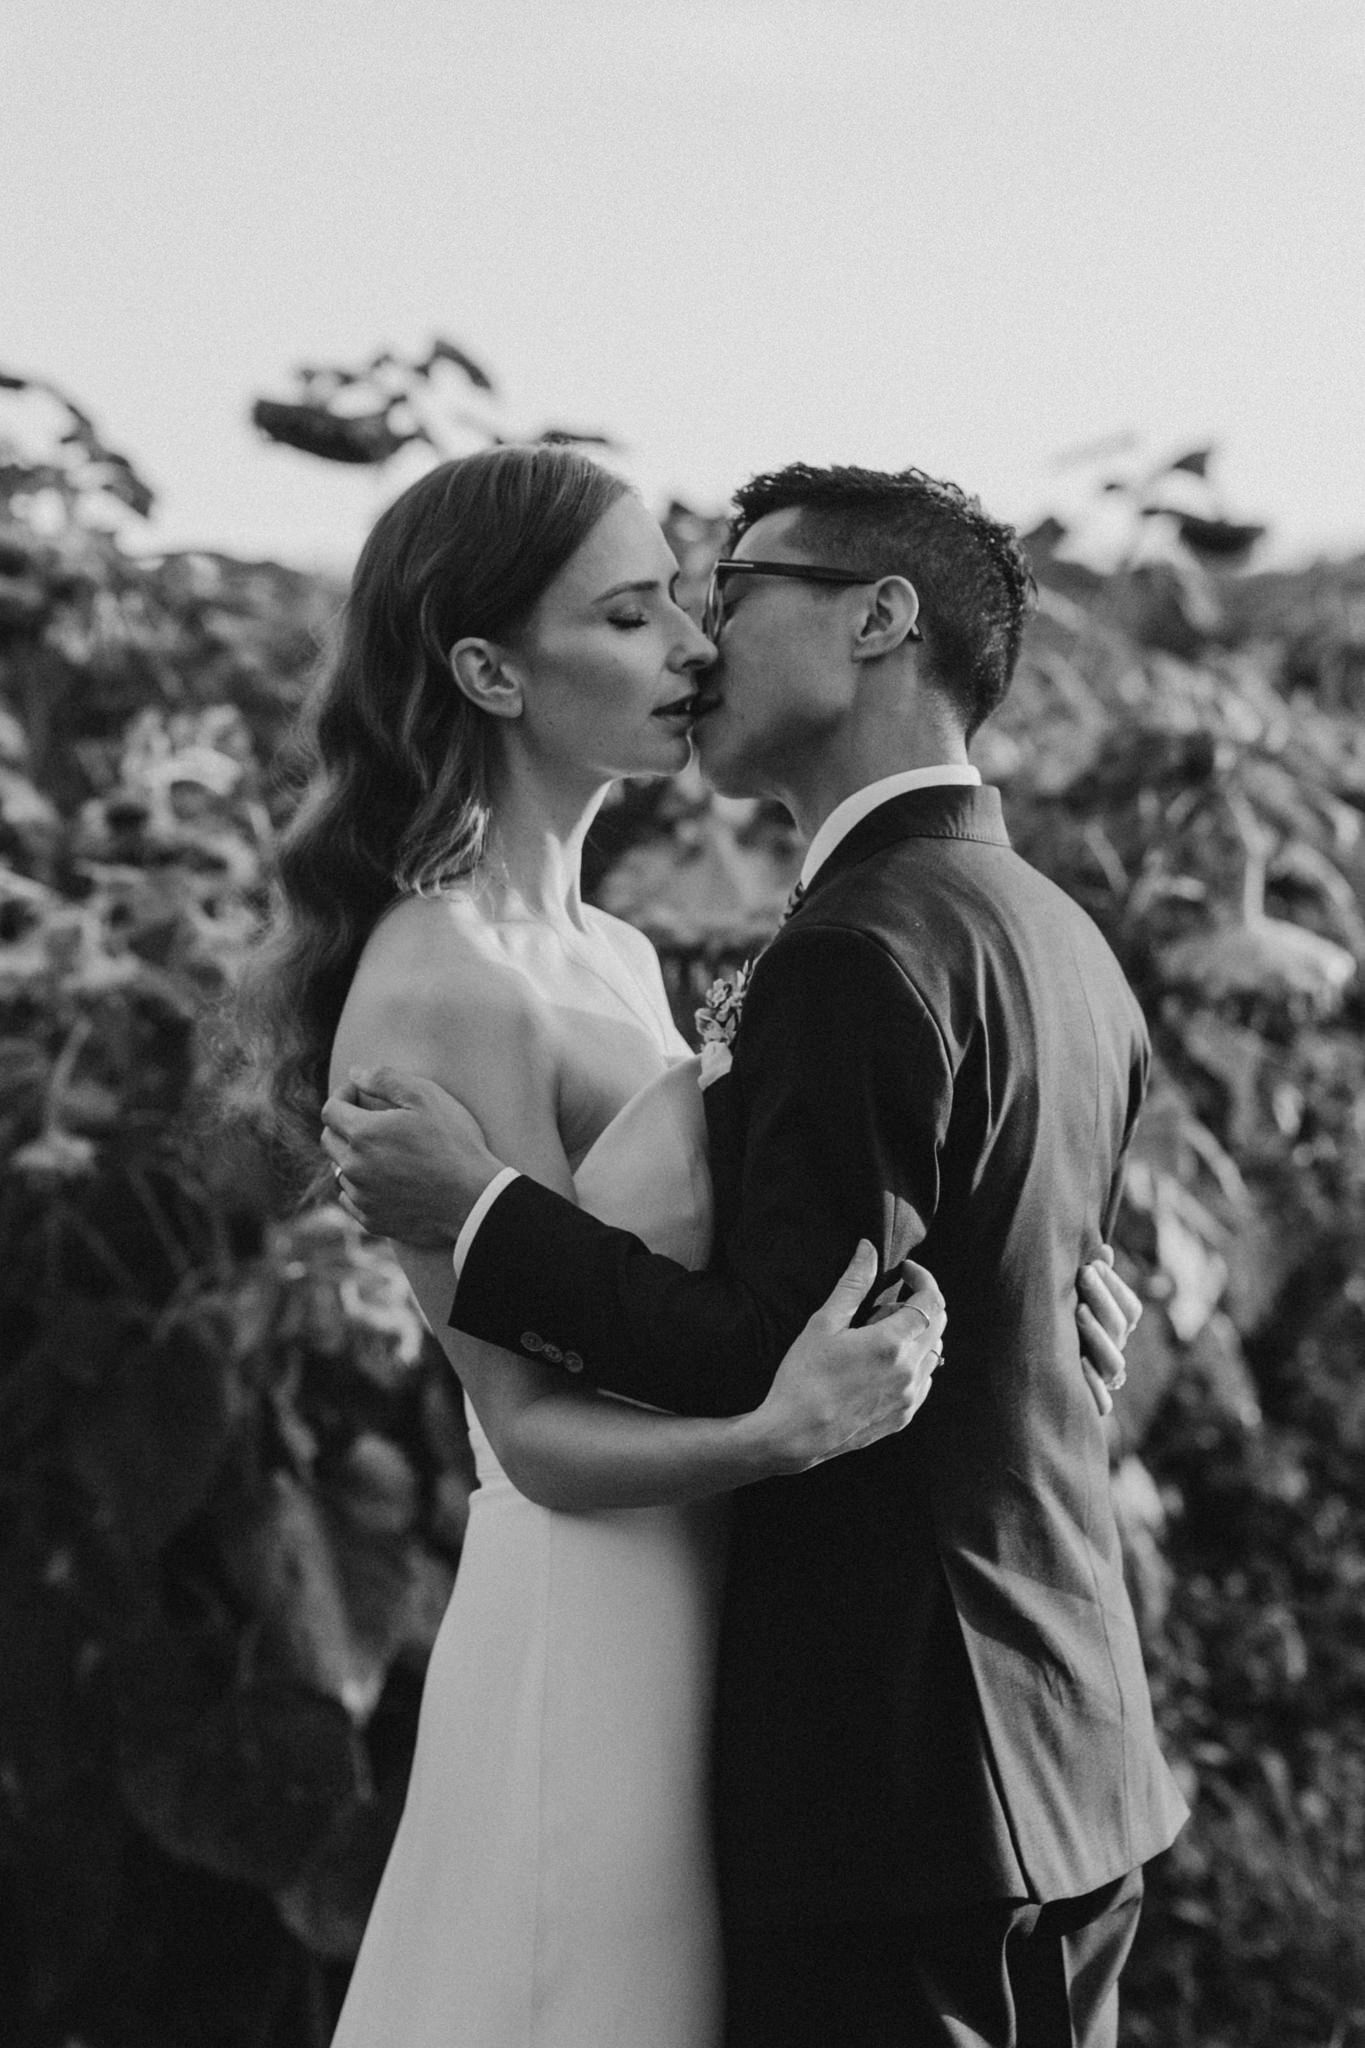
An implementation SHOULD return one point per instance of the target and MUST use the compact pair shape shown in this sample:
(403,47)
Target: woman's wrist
(759,1446)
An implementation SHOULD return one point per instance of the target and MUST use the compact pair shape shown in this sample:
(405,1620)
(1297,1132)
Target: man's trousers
(1006,1974)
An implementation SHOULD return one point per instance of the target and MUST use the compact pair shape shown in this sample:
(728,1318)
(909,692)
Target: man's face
(783,682)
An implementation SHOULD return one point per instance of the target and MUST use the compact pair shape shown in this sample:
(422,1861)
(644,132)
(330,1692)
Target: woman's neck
(533,860)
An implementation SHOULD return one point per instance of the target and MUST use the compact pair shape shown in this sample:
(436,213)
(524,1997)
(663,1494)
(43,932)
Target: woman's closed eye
(629,620)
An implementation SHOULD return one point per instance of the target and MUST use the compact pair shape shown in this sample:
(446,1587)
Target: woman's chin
(674,751)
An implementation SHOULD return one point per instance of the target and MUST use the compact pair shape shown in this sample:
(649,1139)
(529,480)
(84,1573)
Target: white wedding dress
(550,1883)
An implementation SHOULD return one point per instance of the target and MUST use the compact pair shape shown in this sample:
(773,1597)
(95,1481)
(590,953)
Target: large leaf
(1216,1355)
(376,1488)
(1154,1361)
(328,1902)
(1189,1242)
(252,1788)
(1265,957)
(345,1297)
(1141,1516)
(335,1602)
(1236,1058)
(365,438)
(1195,1271)
(148,1435)
(443,351)
(1222,540)
(1195,463)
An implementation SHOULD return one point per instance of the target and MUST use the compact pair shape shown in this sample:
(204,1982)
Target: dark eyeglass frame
(713,615)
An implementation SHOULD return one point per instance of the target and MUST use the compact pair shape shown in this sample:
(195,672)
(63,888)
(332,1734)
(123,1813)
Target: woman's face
(609,662)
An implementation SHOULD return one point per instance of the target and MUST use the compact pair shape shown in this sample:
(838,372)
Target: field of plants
(233,1475)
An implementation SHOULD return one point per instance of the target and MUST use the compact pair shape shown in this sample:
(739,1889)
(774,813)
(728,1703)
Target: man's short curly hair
(976,589)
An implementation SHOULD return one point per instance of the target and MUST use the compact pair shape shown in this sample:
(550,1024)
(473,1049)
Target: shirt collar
(855,808)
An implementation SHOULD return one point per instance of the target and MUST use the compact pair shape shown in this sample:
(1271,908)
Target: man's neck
(849,814)
(827,782)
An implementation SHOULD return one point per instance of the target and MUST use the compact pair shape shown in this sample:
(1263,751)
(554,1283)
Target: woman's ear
(481,673)
(891,618)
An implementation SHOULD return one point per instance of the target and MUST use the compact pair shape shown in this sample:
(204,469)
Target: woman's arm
(563,1445)
(837,1390)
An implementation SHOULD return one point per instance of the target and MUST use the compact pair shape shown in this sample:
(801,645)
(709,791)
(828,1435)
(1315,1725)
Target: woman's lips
(681,707)
(689,709)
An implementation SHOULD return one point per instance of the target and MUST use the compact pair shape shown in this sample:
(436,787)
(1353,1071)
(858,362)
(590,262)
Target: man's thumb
(851,1288)
(387,1084)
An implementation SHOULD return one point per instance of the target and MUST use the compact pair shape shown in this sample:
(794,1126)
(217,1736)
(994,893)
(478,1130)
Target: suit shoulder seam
(845,928)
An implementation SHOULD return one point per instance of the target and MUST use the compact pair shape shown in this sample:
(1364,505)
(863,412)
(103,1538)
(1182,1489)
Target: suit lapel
(942,811)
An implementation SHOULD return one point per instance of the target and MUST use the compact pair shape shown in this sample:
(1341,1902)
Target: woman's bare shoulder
(433,998)
(431,987)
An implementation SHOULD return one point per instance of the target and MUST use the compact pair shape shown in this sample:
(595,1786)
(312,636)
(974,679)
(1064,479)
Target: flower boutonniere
(718,1021)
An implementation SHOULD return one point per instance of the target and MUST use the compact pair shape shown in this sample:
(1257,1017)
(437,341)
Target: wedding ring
(336,1176)
(916,1310)
(1120,1379)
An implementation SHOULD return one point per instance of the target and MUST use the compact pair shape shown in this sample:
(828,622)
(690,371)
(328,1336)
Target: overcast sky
(969,234)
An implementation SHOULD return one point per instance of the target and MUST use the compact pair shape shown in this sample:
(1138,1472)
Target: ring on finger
(916,1310)
(1120,1379)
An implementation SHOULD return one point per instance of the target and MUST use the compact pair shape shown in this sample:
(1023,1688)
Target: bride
(512,646)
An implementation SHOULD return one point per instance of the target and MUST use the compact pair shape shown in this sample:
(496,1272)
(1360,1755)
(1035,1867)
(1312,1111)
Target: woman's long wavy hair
(394,757)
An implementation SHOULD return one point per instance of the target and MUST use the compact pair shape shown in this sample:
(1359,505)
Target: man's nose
(696,651)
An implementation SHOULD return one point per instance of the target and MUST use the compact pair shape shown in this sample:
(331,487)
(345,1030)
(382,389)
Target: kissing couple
(789,1692)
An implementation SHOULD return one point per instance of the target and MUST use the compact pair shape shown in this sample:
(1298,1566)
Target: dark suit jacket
(931,1687)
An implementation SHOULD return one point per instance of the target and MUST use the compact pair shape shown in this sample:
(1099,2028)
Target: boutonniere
(718,1021)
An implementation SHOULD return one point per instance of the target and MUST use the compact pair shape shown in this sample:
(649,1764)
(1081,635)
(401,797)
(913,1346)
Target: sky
(973,235)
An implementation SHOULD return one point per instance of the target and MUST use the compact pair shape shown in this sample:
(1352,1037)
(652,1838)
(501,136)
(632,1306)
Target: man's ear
(890,619)
(482,674)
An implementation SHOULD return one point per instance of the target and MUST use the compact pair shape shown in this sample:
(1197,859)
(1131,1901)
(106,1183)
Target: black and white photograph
(682,1029)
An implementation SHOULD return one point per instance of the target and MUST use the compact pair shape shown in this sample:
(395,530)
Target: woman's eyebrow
(645,583)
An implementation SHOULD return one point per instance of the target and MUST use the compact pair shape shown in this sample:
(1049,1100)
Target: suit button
(531,1342)
(573,1361)
(553,1353)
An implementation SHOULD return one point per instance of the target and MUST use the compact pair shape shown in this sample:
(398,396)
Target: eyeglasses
(713,612)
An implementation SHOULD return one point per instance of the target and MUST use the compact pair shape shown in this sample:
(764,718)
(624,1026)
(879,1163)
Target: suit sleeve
(1139,1073)
(846,1094)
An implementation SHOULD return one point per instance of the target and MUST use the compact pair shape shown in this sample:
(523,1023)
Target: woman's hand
(1106,1316)
(839,1389)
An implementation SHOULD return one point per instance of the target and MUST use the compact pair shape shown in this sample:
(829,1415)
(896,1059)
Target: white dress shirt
(855,808)
(836,827)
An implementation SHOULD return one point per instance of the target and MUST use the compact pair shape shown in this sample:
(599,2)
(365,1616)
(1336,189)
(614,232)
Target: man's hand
(410,1160)
(1107,1317)
(839,1389)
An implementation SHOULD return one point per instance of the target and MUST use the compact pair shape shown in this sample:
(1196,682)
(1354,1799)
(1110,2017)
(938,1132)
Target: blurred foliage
(234,1476)
(437,404)
(1206,807)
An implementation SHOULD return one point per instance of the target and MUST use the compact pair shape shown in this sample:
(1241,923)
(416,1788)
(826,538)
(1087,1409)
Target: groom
(936,1773)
